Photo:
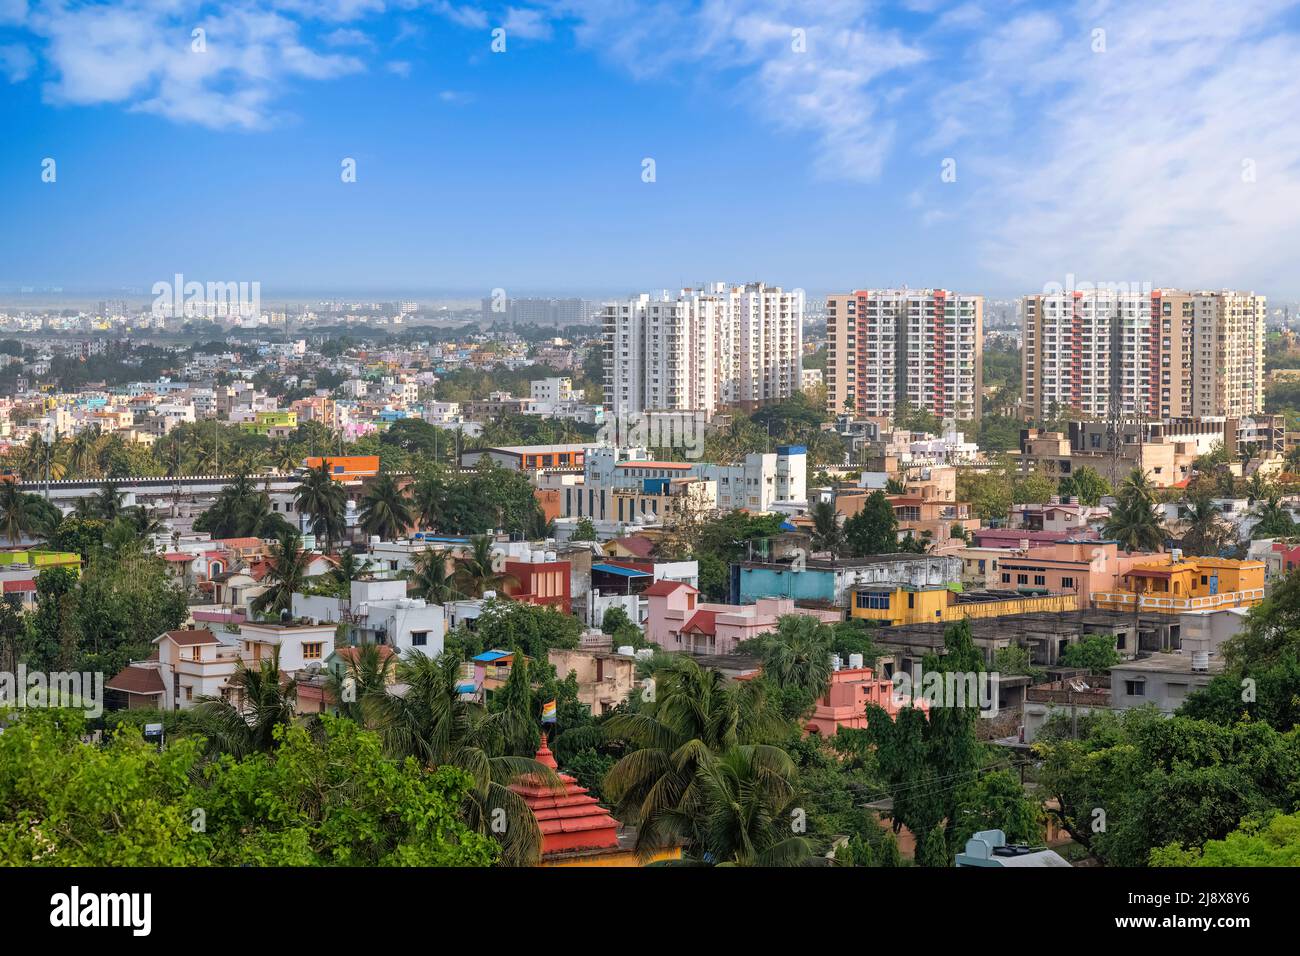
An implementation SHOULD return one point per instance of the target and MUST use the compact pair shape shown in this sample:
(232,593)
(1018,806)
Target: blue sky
(1153,141)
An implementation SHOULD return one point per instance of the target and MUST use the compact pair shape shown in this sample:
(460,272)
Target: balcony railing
(1163,602)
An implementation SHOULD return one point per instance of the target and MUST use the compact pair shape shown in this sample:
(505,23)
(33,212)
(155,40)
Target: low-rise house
(829,582)
(677,621)
(186,665)
(893,605)
(850,691)
(1173,584)
(379,612)
(1164,680)
(300,645)
(605,678)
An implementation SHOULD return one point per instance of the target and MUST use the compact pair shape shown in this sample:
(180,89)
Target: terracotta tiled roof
(569,817)
(189,638)
(240,542)
(702,622)
(664,587)
(349,654)
(137,680)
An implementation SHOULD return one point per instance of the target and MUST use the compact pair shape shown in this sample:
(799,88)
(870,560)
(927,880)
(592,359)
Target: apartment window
(1006,578)
(419,638)
(1135,688)
(1067,583)
(875,600)
(1022,579)
(311,651)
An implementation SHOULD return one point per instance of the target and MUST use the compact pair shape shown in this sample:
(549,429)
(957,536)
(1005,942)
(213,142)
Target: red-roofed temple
(576,829)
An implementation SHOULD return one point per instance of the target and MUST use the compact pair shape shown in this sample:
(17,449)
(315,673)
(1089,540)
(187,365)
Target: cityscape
(622,521)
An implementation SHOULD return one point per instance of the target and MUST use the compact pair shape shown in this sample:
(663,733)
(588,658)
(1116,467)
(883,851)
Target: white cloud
(140,54)
(1128,164)
(464,15)
(825,80)
(348,37)
(527,23)
(398,67)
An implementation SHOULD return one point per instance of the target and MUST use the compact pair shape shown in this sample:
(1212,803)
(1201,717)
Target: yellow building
(891,606)
(1178,584)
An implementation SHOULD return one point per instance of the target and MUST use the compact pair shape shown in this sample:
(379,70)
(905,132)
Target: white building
(705,348)
(379,612)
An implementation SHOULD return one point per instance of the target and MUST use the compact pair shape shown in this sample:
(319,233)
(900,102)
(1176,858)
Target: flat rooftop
(1168,664)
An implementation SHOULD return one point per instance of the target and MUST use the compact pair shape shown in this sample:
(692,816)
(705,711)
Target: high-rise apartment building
(890,346)
(703,349)
(1158,354)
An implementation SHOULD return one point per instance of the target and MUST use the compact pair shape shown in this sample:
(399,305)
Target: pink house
(1081,567)
(845,702)
(678,621)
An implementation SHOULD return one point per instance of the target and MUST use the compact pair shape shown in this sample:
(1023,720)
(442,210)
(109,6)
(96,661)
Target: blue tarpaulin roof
(625,572)
(488,656)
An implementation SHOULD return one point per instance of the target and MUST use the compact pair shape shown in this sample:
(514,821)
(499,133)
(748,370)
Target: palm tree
(798,654)
(1258,488)
(261,700)
(368,672)
(1204,532)
(41,459)
(45,517)
(1134,522)
(435,724)
(287,575)
(84,455)
(15,512)
(385,509)
(697,715)
(347,568)
(427,497)
(108,501)
(748,801)
(430,578)
(324,502)
(826,535)
(1274,521)
(476,572)
(144,521)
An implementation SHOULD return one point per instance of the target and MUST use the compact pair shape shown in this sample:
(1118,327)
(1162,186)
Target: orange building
(1179,584)
(347,467)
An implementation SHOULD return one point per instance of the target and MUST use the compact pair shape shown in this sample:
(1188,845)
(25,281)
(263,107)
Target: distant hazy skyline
(804,144)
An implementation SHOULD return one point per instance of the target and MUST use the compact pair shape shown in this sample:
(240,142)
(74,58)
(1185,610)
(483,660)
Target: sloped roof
(638,545)
(664,587)
(189,638)
(702,622)
(568,816)
(137,680)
